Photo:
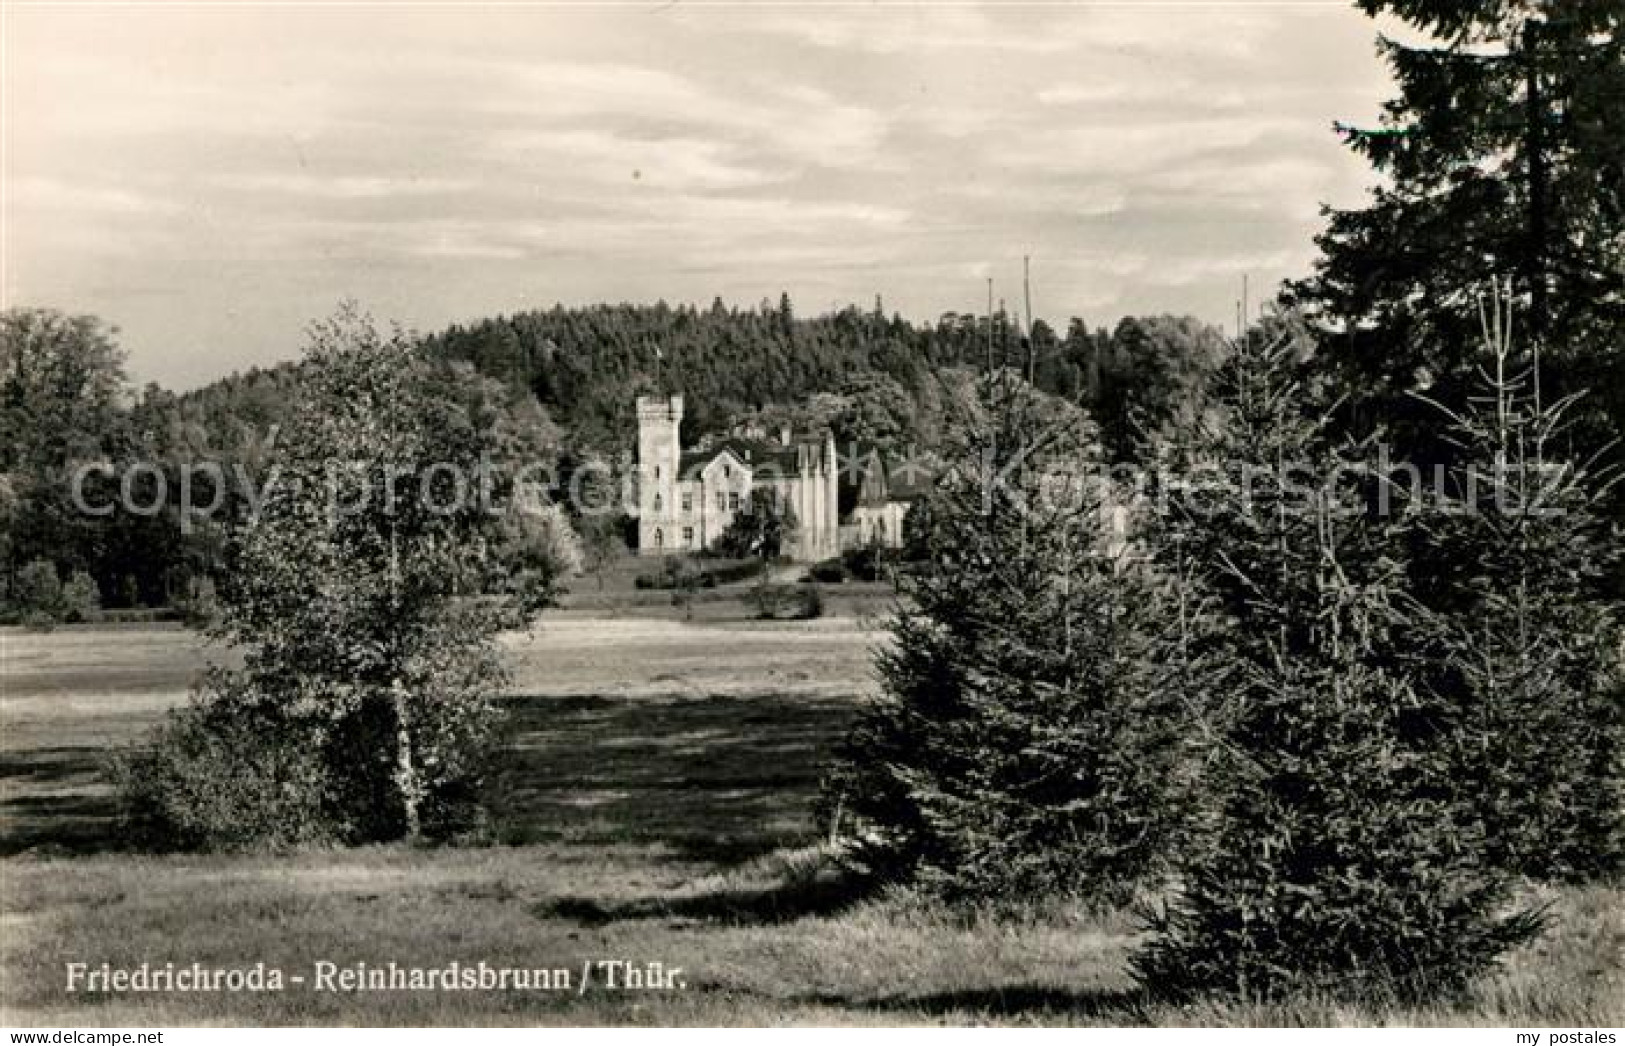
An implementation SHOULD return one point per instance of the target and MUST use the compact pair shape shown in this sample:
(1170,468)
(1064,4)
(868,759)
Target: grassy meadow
(653,804)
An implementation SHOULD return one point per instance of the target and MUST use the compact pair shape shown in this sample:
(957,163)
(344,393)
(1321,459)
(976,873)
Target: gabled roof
(753,454)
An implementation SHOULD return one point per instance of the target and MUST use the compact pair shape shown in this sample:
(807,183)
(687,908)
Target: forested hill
(867,375)
(585,365)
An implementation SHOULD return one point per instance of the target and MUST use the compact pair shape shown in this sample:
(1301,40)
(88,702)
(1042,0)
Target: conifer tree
(1513,560)
(1023,740)
(1342,860)
(1501,152)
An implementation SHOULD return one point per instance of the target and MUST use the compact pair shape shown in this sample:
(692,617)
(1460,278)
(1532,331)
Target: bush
(200,603)
(812,602)
(218,777)
(863,564)
(828,572)
(38,621)
(685,572)
(788,602)
(138,615)
(771,601)
(81,599)
(38,591)
(732,573)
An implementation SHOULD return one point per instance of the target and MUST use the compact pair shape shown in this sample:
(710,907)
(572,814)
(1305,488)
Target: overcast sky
(210,179)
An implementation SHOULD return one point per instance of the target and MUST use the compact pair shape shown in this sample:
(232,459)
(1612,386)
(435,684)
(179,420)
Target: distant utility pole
(1246,301)
(990,325)
(1027,298)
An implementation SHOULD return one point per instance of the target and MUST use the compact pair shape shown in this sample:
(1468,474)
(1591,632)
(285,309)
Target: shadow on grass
(716,779)
(56,803)
(712,779)
(52,765)
(52,825)
(782,902)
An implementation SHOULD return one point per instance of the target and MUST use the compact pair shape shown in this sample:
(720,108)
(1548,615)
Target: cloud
(258,163)
(1216,30)
(343,187)
(61,196)
(607,157)
(802,121)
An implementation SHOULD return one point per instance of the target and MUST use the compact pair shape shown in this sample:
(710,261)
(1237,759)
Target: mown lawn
(654,805)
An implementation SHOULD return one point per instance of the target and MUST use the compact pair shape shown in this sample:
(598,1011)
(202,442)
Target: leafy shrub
(362,710)
(38,621)
(732,573)
(684,571)
(221,777)
(38,590)
(200,603)
(772,601)
(828,572)
(863,564)
(787,602)
(81,599)
(138,615)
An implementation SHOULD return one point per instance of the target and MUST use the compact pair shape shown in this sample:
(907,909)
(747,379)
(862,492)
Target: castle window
(660,538)
(733,501)
(727,471)
(657,501)
(688,536)
(688,501)
(657,472)
(722,501)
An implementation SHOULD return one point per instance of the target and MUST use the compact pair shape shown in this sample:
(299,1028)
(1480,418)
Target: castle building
(686,499)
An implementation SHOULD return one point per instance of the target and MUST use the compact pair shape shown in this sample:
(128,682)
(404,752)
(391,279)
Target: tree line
(566,377)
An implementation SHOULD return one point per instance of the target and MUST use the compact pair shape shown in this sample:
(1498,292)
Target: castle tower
(832,499)
(658,455)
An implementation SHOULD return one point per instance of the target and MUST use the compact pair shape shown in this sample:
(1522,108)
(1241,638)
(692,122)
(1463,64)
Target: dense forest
(585,365)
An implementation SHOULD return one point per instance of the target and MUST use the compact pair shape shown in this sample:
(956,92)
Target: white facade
(685,502)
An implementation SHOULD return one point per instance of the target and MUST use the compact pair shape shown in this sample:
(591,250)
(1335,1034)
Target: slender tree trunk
(406,777)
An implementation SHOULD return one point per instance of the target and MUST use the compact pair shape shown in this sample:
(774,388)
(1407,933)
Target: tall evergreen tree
(1503,153)
(1025,739)
(1512,558)
(1344,861)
